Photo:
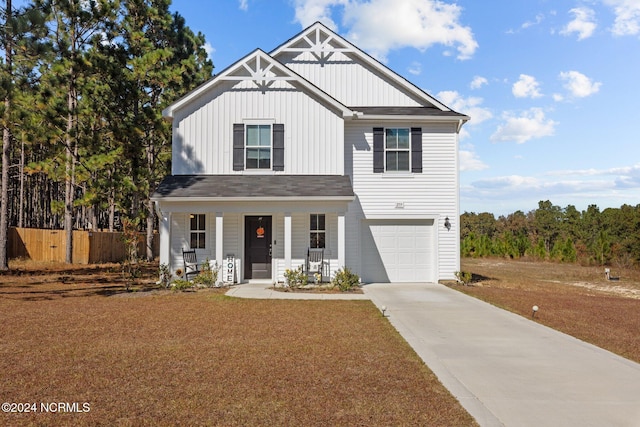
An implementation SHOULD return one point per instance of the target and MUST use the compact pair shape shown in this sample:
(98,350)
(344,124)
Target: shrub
(181,285)
(345,280)
(165,275)
(295,278)
(130,266)
(464,277)
(208,275)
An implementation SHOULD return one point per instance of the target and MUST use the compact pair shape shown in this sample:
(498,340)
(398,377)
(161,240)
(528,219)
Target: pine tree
(6,135)
(74,26)
(166,59)
(19,35)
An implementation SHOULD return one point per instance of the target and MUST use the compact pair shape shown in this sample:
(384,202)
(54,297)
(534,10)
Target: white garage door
(397,251)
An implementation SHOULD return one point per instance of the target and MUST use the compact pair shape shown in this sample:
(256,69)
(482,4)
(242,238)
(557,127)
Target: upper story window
(258,147)
(397,149)
(317,231)
(198,231)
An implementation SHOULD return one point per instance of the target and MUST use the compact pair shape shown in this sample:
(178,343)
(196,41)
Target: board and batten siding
(203,130)
(430,194)
(348,81)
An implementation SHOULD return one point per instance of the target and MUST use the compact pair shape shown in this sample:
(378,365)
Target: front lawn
(154,357)
(573,299)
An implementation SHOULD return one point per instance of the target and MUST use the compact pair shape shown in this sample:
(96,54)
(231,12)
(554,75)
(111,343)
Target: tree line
(84,83)
(550,232)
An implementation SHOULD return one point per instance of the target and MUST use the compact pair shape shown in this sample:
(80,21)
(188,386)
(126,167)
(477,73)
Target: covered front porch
(265,223)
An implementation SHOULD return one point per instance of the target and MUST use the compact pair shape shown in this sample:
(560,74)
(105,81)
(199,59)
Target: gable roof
(321,42)
(263,70)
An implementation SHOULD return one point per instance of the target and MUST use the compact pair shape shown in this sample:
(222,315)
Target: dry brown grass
(70,334)
(573,299)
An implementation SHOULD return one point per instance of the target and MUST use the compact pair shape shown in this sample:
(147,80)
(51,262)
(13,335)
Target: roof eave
(408,117)
(255,199)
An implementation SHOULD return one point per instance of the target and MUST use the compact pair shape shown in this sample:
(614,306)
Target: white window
(317,231)
(397,149)
(258,147)
(198,231)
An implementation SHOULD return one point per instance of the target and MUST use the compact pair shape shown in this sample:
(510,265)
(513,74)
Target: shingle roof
(406,111)
(254,186)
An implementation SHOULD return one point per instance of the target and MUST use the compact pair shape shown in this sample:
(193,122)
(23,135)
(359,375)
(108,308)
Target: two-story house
(315,144)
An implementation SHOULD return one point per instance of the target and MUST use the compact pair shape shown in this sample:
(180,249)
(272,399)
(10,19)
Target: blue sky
(552,86)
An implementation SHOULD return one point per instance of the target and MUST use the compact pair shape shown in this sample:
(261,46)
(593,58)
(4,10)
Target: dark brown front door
(257,247)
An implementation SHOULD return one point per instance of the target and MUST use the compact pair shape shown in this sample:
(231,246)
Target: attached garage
(398,251)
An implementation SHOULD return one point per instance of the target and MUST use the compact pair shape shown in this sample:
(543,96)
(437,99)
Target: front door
(257,247)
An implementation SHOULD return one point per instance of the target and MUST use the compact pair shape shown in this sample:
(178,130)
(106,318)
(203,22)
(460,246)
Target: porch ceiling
(254,187)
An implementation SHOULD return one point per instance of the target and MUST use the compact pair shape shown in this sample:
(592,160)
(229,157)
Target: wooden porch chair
(315,262)
(191,266)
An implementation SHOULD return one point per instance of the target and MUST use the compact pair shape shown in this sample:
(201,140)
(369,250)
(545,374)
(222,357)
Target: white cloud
(470,106)
(579,85)
(529,125)
(584,23)
(469,161)
(209,49)
(379,26)
(415,68)
(310,11)
(526,87)
(627,21)
(538,20)
(478,82)
(505,182)
(620,172)
(244,5)
(610,187)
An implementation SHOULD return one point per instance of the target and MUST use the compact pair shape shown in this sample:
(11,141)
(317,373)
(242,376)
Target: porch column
(219,238)
(341,241)
(165,237)
(287,240)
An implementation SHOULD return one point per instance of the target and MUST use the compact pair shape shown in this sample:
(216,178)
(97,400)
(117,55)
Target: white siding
(203,130)
(348,81)
(300,241)
(232,235)
(181,236)
(432,194)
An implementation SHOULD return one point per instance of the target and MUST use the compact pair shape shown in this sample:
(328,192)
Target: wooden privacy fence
(89,247)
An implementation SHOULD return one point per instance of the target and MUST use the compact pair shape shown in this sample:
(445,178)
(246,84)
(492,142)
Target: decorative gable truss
(261,71)
(319,42)
(319,46)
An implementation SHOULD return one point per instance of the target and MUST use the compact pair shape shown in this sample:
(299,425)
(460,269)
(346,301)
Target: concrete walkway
(504,369)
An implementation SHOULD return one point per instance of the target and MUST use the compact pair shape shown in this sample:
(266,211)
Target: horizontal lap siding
(203,135)
(300,241)
(363,88)
(181,237)
(432,193)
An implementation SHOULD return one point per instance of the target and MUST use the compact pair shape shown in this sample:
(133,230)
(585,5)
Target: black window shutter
(416,150)
(278,147)
(238,146)
(378,150)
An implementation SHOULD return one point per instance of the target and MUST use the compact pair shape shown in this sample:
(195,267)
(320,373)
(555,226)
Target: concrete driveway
(508,370)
